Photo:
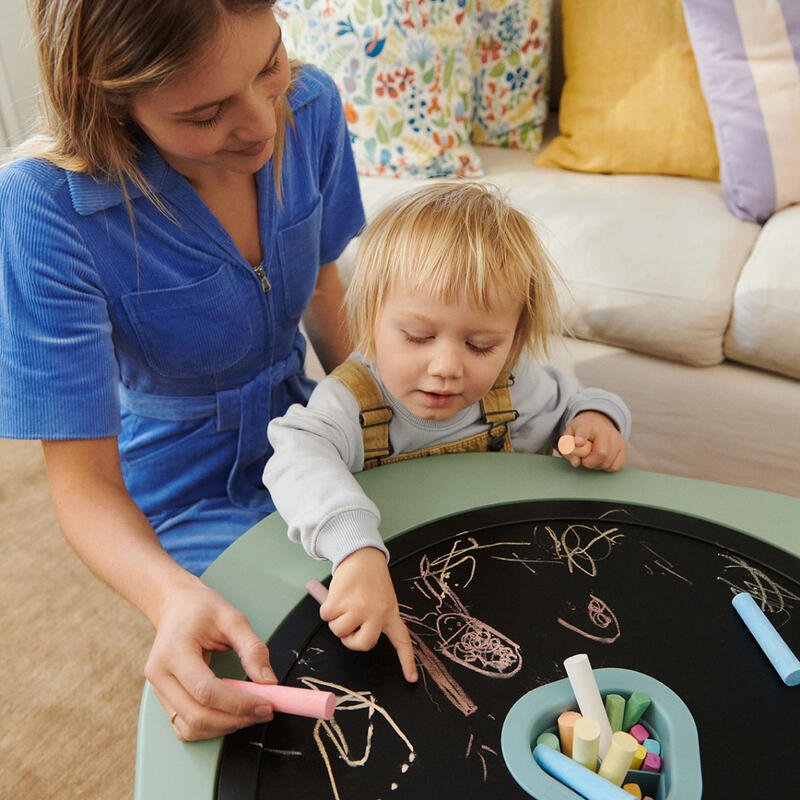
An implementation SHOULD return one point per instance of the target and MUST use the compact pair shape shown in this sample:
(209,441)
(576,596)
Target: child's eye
(480,351)
(417,339)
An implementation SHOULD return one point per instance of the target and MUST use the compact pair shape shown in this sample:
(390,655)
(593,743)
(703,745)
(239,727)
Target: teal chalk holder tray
(667,719)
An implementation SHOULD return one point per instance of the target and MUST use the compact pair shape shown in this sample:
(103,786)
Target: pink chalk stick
(317,590)
(639,732)
(652,763)
(291,699)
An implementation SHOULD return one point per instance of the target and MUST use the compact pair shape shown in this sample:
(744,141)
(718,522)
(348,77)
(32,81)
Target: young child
(451,285)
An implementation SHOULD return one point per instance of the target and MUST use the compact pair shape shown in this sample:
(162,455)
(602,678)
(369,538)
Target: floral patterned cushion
(403,71)
(510,68)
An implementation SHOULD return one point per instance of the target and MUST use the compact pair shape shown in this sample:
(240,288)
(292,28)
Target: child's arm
(551,404)
(309,477)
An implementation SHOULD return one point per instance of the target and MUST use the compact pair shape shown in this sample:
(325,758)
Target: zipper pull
(262,276)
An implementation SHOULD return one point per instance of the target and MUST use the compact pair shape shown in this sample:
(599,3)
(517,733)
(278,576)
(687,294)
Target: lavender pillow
(748,58)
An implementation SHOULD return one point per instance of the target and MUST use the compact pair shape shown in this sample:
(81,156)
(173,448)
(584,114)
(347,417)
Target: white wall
(18,73)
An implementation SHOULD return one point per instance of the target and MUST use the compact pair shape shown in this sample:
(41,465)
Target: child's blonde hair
(453,238)
(95,55)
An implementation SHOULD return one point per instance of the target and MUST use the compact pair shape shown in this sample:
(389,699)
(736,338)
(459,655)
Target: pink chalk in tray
(639,732)
(652,763)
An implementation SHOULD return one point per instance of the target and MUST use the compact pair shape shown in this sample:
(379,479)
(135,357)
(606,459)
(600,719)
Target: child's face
(438,358)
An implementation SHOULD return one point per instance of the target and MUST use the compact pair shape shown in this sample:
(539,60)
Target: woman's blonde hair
(455,239)
(95,55)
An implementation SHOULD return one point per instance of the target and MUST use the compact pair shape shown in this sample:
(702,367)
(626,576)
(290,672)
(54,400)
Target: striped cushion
(748,57)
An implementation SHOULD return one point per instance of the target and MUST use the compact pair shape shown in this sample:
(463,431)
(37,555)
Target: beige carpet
(72,654)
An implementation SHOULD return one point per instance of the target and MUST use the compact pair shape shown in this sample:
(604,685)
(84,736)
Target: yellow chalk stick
(638,757)
(618,759)
(586,742)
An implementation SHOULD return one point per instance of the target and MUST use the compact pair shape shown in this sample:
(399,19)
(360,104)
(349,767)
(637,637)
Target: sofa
(688,311)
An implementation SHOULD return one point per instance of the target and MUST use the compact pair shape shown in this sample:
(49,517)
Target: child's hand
(608,445)
(362,604)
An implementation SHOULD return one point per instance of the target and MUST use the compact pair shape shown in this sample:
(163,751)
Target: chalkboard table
(504,565)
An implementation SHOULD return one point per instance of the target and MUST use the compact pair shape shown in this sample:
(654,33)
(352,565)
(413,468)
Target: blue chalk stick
(770,641)
(576,776)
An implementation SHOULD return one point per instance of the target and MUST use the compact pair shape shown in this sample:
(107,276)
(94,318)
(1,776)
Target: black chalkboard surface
(495,599)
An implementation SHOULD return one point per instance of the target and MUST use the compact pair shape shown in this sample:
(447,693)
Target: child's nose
(446,361)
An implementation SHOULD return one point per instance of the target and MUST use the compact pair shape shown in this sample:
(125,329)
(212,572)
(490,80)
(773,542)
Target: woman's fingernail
(264,711)
(268,676)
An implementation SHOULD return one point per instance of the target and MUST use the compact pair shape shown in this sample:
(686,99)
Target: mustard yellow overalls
(374,417)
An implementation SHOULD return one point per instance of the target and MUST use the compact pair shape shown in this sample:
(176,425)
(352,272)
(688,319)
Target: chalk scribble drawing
(769,594)
(579,546)
(602,626)
(665,566)
(330,733)
(459,636)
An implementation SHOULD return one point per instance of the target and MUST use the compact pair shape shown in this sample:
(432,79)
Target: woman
(158,246)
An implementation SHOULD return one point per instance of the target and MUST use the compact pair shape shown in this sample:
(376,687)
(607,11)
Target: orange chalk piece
(291,699)
(566,726)
(634,789)
(566,446)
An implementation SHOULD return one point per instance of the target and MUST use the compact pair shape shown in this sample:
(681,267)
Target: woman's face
(218,116)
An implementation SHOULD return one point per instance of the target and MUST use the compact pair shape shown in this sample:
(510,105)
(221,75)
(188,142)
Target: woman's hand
(608,445)
(362,605)
(194,622)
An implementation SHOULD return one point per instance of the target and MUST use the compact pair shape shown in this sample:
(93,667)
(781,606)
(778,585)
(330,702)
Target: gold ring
(173,717)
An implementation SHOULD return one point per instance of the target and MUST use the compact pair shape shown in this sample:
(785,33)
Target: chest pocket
(194,330)
(298,250)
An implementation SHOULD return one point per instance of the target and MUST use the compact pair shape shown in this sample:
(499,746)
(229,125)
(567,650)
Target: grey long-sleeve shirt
(318,447)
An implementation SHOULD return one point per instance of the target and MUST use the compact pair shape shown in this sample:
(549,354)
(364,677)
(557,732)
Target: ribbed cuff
(347,532)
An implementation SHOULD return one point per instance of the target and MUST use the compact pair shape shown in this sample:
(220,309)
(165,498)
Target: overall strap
(374,416)
(497,411)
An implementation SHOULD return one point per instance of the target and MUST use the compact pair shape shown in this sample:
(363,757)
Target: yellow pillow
(632,100)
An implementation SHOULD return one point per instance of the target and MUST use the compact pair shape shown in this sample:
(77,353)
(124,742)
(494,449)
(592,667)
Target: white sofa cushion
(765,328)
(650,261)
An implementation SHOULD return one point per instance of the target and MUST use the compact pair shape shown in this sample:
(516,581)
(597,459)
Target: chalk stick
(317,590)
(633,788)
(585,742)
(566,724)
(586,783)
(549,740)
(635,706)
(618,759)
(640,733)
(651,763)
(584,687)
(566,446)
(652,746)
(615,711)
(771,642)
(638,757)
(291,699)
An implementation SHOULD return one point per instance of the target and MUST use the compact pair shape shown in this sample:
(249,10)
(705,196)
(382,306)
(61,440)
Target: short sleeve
(58,371)
(342,211)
